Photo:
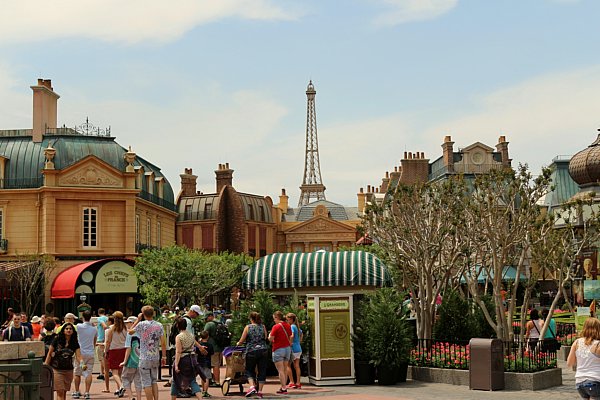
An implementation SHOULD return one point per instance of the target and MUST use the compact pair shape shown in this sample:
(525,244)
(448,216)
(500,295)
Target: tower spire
(312,186)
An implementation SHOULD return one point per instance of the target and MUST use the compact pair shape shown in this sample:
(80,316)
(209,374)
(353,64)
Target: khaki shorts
(63,379)
(88,361)
(100,353)
(216,359)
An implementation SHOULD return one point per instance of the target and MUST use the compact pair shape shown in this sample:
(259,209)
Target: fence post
(33,375)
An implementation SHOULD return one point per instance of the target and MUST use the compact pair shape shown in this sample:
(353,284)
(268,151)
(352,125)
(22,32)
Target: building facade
(225,220)
(77,196)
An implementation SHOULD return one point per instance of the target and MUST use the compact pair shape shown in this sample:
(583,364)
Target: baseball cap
(196,308)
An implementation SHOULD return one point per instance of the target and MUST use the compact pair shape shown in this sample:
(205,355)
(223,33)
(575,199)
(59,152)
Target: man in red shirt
(281,345)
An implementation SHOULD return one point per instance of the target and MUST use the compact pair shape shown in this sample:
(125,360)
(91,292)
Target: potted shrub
(364,371)
(387,335)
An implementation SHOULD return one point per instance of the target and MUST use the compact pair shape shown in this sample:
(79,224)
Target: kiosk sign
(334,318)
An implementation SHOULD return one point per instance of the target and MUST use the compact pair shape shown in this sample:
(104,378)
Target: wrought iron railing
(21,183)
(464,169)
(518,356)
(21,380)
(196,215)
(157,200)
(16,132)
(139,247)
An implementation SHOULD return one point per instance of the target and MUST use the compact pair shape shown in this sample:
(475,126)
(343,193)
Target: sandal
(105,391)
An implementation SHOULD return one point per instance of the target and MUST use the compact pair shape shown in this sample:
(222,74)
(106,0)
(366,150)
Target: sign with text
(116,277)
(334,321)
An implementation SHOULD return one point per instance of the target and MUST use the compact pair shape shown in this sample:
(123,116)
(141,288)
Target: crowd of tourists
(130,351)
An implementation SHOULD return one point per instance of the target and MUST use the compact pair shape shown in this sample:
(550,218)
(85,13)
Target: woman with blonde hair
(115,350)
(585,353)
(296,351)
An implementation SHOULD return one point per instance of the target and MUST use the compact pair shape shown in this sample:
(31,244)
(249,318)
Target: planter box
(512,380)
(439,375)
(563,352)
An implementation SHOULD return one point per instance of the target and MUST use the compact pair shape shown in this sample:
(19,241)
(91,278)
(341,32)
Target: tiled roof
(337,211)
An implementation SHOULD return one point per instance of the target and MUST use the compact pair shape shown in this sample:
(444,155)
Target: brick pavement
(411,390)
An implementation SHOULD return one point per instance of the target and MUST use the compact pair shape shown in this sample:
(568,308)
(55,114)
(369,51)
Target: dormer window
(150,182)
(251,212)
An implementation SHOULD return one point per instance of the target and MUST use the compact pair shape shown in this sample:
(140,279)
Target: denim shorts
(149,372)
(589,389)
(282,354)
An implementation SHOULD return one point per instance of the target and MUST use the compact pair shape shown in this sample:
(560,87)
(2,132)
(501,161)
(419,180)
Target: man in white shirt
(86,334)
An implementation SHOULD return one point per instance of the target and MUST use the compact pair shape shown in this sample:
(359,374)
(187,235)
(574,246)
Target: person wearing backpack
(47,335)
(60,357)
(17,332)
(218,337)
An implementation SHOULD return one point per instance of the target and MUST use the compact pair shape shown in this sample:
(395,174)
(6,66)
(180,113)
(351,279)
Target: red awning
(63,286)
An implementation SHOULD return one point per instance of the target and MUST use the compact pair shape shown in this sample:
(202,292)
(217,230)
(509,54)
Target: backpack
(173,334)
(222,336)
(47,339)
(10,330)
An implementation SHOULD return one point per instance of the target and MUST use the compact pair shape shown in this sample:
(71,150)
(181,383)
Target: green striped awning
(318,269)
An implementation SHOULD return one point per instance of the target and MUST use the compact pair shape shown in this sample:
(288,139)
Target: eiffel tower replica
(312,186)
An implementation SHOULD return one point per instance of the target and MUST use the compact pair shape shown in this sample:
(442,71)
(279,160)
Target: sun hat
(196,308)
(35,319)
(70,315)
(131,319)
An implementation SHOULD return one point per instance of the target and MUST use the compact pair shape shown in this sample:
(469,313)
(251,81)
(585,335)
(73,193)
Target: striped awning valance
(318,269)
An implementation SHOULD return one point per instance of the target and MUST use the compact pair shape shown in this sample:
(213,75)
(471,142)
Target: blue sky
(191,84)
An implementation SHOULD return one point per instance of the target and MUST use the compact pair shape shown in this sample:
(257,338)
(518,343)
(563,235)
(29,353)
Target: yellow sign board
(335,334)
(116,277)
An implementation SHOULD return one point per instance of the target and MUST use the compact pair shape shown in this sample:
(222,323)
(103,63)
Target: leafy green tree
(456,319)
(175,274)
(263,303)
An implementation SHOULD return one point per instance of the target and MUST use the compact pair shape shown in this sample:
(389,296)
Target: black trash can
(486,370)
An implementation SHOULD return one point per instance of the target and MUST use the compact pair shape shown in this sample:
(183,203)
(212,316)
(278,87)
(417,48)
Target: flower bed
(517,358)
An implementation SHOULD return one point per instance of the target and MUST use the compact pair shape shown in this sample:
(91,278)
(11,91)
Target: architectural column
(334,245)
(307,247)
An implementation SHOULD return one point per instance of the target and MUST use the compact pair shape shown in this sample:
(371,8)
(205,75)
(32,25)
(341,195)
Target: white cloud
(554,114)
(401,11)
(128,21)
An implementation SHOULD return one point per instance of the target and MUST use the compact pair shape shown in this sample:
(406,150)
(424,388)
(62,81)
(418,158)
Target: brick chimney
(502,148)
(448,153)
(44,108)
(415,168)
(188,183)
(362,200)
(385,182)
(224,176)
(283,201)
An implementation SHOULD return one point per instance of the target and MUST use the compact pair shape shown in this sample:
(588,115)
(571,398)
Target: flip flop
(105,391)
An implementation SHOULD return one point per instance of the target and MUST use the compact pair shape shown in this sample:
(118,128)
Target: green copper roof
(26,158)
(563,186)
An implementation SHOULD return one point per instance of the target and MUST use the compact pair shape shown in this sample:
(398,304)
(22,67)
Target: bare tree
(419,229)
(29,279)
(575,228)
(503,221)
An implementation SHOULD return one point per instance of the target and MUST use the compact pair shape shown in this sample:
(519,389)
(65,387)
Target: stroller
(235,373)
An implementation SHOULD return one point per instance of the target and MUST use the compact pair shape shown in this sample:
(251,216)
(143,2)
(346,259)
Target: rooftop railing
(157,200)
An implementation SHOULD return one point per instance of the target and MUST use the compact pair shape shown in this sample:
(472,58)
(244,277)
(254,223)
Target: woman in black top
(60,357)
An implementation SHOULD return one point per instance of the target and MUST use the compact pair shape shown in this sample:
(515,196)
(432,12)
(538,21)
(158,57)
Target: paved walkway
(411,390)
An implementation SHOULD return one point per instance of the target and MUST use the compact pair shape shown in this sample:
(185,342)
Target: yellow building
(78,196)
